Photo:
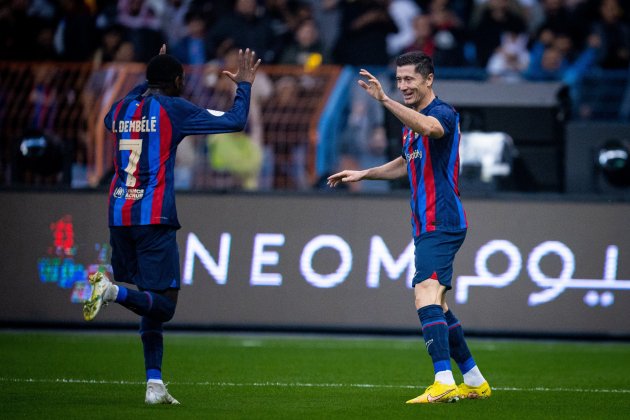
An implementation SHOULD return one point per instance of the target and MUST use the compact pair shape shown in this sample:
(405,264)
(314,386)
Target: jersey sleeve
(198,120)
(445,116)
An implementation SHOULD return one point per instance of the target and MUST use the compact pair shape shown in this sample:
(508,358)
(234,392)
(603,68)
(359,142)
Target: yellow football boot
(437,393)
(482,391)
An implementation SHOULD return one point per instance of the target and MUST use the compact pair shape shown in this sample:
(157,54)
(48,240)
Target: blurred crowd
(508,40)
(511,39)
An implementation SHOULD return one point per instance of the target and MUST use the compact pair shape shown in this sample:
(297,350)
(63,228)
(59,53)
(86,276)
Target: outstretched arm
(396,168)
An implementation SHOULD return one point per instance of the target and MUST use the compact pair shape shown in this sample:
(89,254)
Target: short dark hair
(422,62)
(163,69)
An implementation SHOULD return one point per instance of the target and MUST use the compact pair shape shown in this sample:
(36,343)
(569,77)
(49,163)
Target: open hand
(247,67)
(345,176)
(372,86)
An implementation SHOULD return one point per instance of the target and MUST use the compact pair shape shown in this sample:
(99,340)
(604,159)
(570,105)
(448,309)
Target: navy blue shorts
(435,252)
(146,256)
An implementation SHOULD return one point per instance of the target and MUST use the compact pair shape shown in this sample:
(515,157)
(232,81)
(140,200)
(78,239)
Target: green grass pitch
(92,375)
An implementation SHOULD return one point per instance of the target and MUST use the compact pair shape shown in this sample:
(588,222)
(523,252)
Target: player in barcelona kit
(148,124)
(430,159)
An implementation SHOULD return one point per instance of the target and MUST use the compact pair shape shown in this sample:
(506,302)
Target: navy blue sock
(457,344)
(153,346)
(146,303)
(435,332)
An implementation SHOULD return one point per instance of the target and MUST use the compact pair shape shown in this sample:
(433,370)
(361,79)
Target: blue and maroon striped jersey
(433,170)
(147,131)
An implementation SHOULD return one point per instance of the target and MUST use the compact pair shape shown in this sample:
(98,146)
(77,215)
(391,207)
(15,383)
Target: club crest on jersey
(416,154)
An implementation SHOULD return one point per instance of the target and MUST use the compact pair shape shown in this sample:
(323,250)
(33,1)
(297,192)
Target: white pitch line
(297,385)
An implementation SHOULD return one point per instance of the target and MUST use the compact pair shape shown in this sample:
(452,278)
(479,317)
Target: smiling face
(417,90)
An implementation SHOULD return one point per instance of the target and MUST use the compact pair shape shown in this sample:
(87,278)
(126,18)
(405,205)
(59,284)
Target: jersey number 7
(135,146)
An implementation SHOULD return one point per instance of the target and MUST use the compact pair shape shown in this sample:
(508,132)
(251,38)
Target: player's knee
(163,308)
(418,301)
(428,292)
(169,310)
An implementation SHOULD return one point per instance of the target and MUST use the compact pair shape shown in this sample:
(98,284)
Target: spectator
(174,23)
(463,9)
(245,27)
(221,91)
(111,39)
(375,155)
(365,25)
(556,17)
(126,53)
(559,18)
(288,14)
(373,152)
(449,35)
(139,14)
(76,36)
(614,34)
(106,14)
(423,36)
(192,48)
(510,60)
(305,46)
(285,17)
(99,90)
(286,134)
(553,62)
(44,43)
(496,18)
(327,14)
(44,99)
(143,23)
(403,12)
(361,140)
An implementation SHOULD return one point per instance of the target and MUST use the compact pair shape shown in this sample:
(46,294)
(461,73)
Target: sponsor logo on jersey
(130,194)
(134,194)
(416,154)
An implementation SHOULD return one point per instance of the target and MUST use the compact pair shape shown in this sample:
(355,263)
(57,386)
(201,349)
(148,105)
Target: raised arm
(247,67)
(394,169)
(425,125)
(212,122)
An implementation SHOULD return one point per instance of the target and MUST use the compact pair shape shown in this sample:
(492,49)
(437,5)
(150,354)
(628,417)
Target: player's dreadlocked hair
(422,62)
(163,69)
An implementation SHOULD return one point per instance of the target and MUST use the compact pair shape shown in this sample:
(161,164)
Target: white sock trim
(474,377)
(445,377)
